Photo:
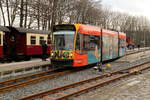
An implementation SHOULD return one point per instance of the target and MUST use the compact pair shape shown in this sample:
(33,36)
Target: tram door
(10,45)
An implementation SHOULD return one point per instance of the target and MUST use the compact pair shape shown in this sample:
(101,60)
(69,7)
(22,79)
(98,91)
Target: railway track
(30,79)
(130,53)
(76,88)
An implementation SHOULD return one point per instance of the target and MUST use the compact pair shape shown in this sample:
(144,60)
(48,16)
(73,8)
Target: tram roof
(93,30)
(122,35)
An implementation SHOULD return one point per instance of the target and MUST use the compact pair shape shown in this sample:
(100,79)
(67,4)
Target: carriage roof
(5,29)
(25,30)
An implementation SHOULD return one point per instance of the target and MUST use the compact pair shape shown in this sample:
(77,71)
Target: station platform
(25,67)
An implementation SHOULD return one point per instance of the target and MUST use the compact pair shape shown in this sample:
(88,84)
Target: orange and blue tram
(79,45)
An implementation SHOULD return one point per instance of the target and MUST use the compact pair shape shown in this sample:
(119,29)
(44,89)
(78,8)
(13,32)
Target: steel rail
(112,74)
(114,78)
(13,84)
(7,82)
(130,53)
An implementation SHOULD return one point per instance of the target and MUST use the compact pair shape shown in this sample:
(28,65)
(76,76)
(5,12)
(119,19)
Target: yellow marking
(76,33)
(134,70)
(49,98)
(2,35)
(108,65)
(62,52)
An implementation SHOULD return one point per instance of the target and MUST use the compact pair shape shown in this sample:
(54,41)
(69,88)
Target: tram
(78,45)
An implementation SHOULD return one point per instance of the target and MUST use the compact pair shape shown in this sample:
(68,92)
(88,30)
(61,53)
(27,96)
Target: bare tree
(1,7)
(21,12)
(13,10)
(54,6)
(26,13)
(8,15)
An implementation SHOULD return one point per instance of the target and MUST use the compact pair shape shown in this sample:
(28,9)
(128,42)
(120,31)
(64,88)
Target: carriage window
(0,39)
(33,40)
(41,39)
(48,39)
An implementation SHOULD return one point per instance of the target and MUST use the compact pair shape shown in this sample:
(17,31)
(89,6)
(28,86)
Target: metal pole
(118,44)
(99,64)
(101,38)
(144,42)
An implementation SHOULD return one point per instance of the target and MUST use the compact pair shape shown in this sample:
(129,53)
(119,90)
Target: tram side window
(41,39)
(33,40)
(82,43)
(122,43)
(78,42)
(86,42)
(94,41)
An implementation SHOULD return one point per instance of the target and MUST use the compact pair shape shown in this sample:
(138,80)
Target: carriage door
(10,45)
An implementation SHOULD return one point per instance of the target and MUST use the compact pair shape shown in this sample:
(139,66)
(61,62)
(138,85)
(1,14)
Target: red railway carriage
(130,42)
(2,32)
(21,43)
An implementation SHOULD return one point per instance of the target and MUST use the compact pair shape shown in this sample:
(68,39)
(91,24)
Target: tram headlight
(52,54)
(71,54)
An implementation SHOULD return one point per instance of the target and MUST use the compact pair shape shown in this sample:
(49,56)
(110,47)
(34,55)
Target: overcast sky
(135,7)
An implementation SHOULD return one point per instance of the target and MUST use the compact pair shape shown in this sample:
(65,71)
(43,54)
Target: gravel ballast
(59,81)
